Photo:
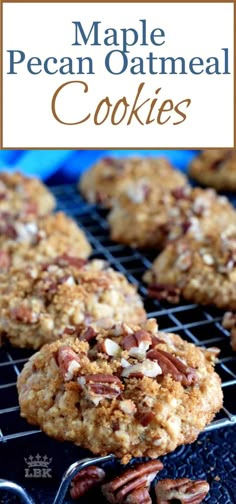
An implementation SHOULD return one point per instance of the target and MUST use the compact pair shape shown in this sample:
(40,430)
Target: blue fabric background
(60,166)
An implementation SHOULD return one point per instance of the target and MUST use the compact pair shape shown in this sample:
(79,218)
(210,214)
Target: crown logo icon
(38,461)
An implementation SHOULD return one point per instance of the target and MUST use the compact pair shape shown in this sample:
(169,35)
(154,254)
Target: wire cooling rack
(201,326)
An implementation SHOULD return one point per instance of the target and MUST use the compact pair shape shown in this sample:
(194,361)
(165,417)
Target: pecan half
(100,386)
(139,477)
(137,343)
(175,367)
(182,490)
(86,480)
(138,496)
(68,362)
(162,291)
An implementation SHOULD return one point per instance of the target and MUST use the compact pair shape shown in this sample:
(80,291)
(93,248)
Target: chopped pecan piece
(181,490)
(127,406)
(137,343)
(175,367)
(229,320)
(69,330)
(5,260)
(86,480)
(145,368)
(109,347)
(181,193)
(86,334)
(115,163)
(139,477)
(145,418)
(65,260)
(184,261)
(162,291)
(68,362)
(100,386)
(156,341)
(9,231)
(22,313)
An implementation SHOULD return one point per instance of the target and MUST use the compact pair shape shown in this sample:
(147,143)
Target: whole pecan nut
(100,386)
(68,362)
(139,477)
(183,490)
(86,480)
(169,364)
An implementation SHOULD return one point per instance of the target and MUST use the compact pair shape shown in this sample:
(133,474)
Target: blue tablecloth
(60,166)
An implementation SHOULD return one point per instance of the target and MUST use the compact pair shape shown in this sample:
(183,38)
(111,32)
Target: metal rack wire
(201,326)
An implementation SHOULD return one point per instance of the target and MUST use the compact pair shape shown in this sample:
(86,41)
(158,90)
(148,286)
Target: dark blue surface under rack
(211,457)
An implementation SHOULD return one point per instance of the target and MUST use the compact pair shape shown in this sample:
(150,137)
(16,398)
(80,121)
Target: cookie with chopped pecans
(39,302)
(127,390)
(110,177)
(23,196)
(202,272)
(161,217)
(215,168)
(32,240)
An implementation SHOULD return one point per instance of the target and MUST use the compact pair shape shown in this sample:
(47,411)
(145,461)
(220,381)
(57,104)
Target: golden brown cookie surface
(111,177)
(23,196)
(202,271)
(215,168)
(40,302)
(38,239)
(130,391)
(161,217)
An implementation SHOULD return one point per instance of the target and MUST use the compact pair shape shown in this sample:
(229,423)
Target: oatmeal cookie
(130,391)
(160,217)
(38,239)
(22,196)
(215,168)
(40,302)
(201,271)
(110,177)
